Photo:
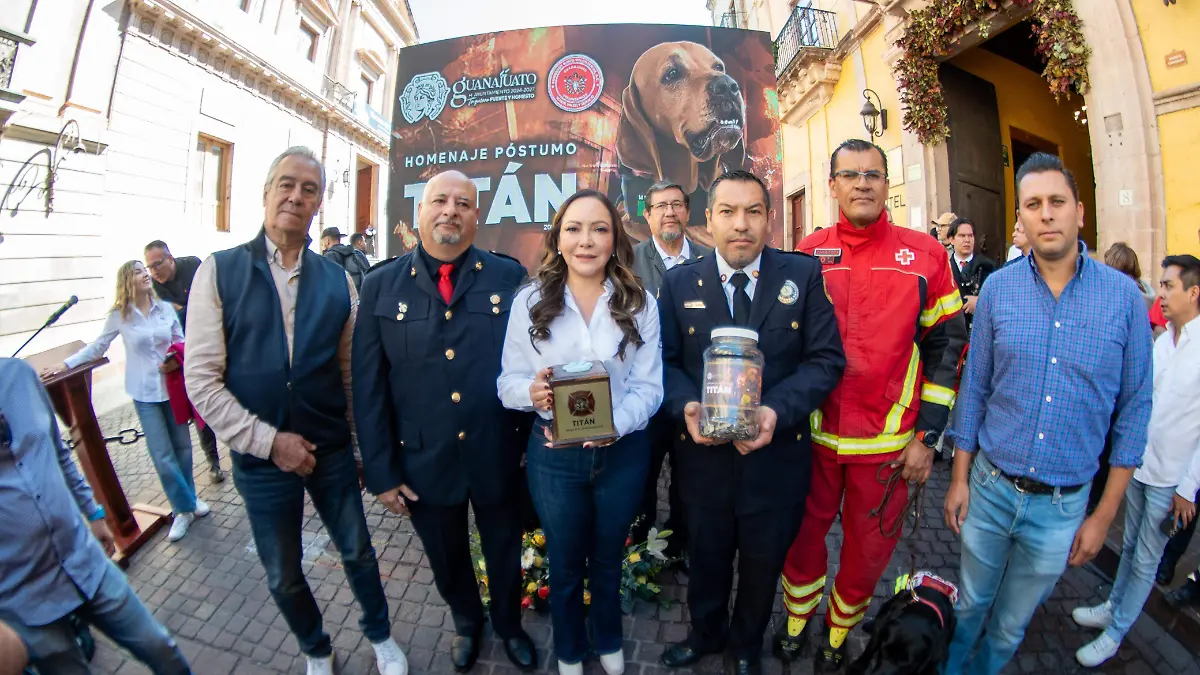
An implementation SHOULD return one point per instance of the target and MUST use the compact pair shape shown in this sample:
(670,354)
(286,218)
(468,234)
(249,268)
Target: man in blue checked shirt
(51,560)
(1060,343)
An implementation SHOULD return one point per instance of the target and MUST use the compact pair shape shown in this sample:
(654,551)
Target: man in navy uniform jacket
(433,434)
(744,498)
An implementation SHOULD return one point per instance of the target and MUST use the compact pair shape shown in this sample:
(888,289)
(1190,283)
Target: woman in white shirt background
(148,327)
(584,304)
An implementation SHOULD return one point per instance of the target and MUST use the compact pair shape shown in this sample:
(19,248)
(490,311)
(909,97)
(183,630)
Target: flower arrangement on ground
(642,564)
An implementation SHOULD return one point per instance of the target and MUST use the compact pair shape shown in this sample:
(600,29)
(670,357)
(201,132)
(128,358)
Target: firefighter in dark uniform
(433,434)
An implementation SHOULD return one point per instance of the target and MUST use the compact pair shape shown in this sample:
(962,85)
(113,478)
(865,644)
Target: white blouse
(147,338)
(636,380)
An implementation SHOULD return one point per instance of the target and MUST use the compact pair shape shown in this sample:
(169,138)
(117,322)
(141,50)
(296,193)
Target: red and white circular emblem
(575,82)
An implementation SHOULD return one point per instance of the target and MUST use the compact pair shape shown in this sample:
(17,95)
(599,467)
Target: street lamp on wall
(874,116)
(346,178)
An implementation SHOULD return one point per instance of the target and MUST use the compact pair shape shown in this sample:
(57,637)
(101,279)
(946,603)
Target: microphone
(71,302)
(62,310)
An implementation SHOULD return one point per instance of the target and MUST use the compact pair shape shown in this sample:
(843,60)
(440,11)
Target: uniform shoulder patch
(505,256)
(382,263)
(799,253)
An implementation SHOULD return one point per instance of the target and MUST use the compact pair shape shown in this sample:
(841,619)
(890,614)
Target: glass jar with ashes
(732,393)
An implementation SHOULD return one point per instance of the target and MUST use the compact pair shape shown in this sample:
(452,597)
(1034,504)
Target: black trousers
(208,443)
(445,536)
(661,435)
(760,541)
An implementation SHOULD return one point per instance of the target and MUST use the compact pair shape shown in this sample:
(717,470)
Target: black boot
(1187,595)
(828,659)
(789,649)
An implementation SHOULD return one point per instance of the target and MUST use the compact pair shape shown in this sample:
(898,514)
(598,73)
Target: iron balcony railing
(339,94)
(9,42)
(733,20)
(806,28)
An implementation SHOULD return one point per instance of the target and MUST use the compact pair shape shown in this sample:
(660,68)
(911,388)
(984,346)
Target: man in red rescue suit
(900,316)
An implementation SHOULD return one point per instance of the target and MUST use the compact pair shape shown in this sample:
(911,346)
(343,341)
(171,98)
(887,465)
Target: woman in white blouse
(585,304)
(148,326)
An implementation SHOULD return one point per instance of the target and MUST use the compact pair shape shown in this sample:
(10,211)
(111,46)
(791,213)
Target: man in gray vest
(270,325)
(667,211)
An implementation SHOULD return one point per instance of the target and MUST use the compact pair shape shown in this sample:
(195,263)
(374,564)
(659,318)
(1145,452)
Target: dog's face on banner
(683,118)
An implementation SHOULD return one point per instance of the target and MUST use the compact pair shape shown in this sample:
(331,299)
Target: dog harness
(931,581)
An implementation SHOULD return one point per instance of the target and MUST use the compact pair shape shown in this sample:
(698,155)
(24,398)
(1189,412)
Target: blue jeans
(587,500)
(170,447)
(117,612)
(275,504)
(1015,547)
(1145,509)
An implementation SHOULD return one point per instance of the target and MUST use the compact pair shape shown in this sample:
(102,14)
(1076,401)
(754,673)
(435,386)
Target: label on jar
(732,389)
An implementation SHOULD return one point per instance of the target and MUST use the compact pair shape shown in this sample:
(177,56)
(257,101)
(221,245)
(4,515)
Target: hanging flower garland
(934,30)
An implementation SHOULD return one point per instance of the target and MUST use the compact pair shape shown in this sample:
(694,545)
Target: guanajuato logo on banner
(424,96)
(575,82)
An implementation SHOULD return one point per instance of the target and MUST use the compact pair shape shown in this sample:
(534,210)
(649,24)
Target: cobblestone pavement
(210,591)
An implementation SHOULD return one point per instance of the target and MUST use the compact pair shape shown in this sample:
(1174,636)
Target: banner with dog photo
(531,116)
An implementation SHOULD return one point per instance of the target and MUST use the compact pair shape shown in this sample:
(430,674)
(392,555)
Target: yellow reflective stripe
(845,609)
(880,444)
(896,414)
(848,622)
(801,592)
(801,609)
(938,394)
(944,306)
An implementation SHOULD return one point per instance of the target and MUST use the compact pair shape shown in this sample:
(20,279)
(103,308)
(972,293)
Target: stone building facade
(172,111)
(1128,139)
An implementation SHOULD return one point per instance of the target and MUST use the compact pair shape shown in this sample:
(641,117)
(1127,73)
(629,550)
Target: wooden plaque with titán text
(582,404)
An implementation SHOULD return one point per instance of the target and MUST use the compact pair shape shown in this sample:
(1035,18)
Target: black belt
(1033,487)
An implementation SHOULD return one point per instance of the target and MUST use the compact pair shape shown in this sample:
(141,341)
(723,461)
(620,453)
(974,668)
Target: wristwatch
(929,438)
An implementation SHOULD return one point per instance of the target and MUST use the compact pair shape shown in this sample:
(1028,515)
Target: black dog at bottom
(911,634)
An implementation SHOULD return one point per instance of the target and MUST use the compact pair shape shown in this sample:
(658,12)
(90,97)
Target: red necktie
(444,286)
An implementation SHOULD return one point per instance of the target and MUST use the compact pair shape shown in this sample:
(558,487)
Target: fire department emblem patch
(789,293)
(575,82)
(581,403)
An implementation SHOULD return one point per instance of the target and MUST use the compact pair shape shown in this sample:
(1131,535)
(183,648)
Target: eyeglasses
(852,176)
(157,264)
(662,207)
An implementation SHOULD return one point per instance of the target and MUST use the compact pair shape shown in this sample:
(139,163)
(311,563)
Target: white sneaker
(1100,616)
(202,508)
(1097,651)
(390,658)
(570,669)
(614,663)
(179,526)
(319,665)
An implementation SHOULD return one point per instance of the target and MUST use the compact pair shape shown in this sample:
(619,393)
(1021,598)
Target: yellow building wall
(1179,133)
(1025,102)
(806,147)
(1165,30)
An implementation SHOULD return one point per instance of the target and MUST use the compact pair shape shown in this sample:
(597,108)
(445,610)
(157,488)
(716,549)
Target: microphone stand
(35,334)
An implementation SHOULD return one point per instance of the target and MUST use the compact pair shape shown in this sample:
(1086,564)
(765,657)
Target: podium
(71,394)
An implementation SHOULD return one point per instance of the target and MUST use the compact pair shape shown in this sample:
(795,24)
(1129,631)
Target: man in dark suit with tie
(667,212)
(970,269)
(745,498)
(433,434)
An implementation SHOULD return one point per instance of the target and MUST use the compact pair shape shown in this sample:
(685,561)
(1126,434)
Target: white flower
(655,545)
(527,558)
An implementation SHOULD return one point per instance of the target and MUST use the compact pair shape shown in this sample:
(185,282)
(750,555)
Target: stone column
(1126,157)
